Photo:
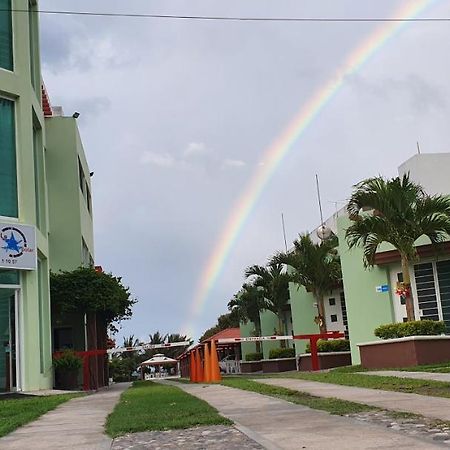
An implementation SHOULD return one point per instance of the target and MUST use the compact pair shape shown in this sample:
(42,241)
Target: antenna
(418,148)
(318,198)
(284,232)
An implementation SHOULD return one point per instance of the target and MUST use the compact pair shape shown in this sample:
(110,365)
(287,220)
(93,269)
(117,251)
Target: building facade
(25,350)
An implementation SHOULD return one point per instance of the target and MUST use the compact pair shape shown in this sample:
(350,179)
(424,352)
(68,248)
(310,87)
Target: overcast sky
(176,115)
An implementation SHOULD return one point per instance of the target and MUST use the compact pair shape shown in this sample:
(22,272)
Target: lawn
(348,378)
(148,406)
(17,412)
(332,405)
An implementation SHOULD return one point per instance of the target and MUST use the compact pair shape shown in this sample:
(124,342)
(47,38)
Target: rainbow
(275,154)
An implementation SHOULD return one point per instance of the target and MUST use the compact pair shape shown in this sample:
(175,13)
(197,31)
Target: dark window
(8,167)
(6,38)
(81,177)
(8,276)
(62,338)
(333,317)
(332,301)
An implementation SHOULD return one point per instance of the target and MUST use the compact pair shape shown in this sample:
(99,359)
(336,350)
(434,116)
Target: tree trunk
(280,329)
(407,284)
(321,311)
(258,333)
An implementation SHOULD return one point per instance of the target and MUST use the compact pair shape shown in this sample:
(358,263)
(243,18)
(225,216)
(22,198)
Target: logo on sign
(14,242)
(382,288)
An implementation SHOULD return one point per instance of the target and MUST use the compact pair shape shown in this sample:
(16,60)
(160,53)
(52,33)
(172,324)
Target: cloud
(158,159)
(233,163)
(195,149)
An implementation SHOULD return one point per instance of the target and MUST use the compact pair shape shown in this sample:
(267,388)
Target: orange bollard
(198,366)
(215,369)
(206,364)
(192,368)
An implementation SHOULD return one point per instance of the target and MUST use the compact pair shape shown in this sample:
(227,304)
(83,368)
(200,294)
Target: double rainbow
(275,154)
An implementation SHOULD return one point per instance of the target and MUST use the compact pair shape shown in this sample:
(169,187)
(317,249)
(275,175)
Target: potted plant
(67,367)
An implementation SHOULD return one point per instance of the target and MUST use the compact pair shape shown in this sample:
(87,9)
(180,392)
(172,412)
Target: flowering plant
(403,290)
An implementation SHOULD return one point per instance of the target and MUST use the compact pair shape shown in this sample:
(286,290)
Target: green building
(367,297)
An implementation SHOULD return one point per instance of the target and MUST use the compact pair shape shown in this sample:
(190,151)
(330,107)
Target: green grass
(422,387)
(437,368)
(332,405)
(148,406)
(17,412)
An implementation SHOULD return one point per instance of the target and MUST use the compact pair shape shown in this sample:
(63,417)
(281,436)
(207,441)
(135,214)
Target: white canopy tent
(158,360)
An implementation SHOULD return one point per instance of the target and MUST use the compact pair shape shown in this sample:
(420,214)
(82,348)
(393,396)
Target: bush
(276,353)
(414,328)
(257,356)
(68,361)
(328,346)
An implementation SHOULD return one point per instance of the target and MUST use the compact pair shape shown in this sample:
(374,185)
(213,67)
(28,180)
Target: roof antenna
(284,232)
(320,203)
(418,148)
(323,232)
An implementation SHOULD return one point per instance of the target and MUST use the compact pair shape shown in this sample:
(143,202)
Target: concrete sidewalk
(433,407)
(277,424)
(76,424)
(432,376)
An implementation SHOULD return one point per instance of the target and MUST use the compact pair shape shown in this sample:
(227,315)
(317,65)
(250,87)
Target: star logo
(14,241)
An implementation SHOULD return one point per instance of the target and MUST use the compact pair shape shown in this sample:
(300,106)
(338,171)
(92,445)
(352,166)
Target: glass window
(8,276)
(334,318)
(81,177)
(6,39)
(33,34)
(8,172)
(332,301)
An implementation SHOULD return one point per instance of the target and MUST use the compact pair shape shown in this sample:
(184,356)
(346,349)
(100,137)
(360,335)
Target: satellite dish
(323,232)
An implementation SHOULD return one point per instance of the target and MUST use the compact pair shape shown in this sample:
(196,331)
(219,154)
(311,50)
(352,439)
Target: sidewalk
(433,407)
(76,424)
(277,424)
(433,376)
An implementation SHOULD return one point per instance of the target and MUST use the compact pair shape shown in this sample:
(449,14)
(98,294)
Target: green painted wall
(303,313)
(269,324)
(68,213)
(366,309)
(34,339)
(247,330)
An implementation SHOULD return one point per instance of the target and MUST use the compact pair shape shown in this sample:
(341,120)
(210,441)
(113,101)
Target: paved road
(277,424)
(434,407)
(434,376)
(76,424)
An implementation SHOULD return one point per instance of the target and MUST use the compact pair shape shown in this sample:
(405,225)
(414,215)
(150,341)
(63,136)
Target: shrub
(257,356)
(414,328)
(68,361)
(328,346)
(276,353)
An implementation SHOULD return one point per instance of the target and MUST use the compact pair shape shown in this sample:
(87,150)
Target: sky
(175,116)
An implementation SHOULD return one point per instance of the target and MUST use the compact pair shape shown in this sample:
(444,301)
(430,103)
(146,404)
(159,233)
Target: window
(332,301)
(333,317)
(81,177)
(8,171)
(34,39)
(88,200)
(6,38)
(62,338)
(8,276)
(39,178)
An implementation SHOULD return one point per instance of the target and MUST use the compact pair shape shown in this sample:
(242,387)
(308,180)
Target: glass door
(8,381)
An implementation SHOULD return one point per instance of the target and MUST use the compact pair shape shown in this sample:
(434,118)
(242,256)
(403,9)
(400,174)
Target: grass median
(17,412)
(408,385)
(150,406)
(332,405)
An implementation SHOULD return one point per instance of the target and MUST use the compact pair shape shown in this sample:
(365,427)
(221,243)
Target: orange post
(198,366)
(206,364)
(215,369)
(192,368)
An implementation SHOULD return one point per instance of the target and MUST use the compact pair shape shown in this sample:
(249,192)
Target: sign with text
(18,246)
(383,288)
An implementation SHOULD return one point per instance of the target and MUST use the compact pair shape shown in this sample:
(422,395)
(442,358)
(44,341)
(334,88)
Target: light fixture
(76,114)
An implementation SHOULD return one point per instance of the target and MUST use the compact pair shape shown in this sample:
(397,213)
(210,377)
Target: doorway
(8,373)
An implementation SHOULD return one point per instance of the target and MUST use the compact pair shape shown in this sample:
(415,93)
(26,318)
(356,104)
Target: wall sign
(18,246)
(382,288)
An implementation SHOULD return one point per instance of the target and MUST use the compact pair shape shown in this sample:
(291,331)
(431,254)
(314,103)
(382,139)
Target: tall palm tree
(402,212)
(274,283)
(247,304)
(317,267)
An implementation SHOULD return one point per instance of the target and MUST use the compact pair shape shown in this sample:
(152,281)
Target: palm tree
(247,304)
(274,284)
(317,267)
(402,212)
(130,341)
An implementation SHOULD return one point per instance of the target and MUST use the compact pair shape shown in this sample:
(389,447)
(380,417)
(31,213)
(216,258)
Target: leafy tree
(401,213)
(224,321)
(247,304)
(274,284)
(317,267)
(130,341)
(85,290)
(157,338)
(174,352)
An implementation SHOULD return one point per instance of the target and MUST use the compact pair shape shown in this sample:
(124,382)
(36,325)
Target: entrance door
(8,380)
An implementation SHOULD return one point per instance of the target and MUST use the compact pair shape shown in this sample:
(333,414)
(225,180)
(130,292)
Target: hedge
(276,353)
(327,346)
(414,328)
(257,356)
